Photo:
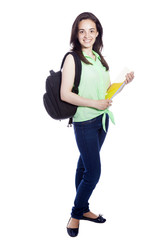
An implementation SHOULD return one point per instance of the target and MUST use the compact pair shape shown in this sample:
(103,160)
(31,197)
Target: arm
(66,93)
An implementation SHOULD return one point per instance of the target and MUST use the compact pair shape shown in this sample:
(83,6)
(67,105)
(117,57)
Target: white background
(39,155)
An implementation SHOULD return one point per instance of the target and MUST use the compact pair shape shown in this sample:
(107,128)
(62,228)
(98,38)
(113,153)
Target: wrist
(93,103)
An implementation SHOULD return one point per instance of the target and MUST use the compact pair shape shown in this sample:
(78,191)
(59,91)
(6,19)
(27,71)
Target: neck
(88,51)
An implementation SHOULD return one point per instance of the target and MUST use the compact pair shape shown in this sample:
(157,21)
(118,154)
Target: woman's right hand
(103,104)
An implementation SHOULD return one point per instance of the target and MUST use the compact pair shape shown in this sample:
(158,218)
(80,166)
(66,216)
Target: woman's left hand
(129,77)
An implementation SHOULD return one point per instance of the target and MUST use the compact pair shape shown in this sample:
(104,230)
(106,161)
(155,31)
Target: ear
(97,34)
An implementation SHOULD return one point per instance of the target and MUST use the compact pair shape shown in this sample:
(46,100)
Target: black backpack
(55,107)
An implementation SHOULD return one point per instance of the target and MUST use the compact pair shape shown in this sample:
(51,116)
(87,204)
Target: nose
(86,34)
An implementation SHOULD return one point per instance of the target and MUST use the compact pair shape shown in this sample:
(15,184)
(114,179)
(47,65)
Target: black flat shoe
(72,232)
(99,219)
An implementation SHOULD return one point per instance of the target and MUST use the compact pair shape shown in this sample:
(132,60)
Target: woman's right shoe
(72,232)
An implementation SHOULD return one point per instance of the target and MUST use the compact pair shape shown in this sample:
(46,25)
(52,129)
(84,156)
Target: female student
(92,116)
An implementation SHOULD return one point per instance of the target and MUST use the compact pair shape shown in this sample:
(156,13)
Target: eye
(81,31)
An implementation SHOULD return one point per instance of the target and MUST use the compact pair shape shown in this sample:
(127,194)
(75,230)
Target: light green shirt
(94,83)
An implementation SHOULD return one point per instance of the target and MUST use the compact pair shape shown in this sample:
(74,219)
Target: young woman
(92,117)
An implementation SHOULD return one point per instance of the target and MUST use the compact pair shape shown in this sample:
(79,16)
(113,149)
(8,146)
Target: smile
(87,41)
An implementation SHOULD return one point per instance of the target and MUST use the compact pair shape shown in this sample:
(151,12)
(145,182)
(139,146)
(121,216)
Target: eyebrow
(84,29)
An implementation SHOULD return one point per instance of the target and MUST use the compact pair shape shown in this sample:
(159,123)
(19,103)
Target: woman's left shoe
(99,219)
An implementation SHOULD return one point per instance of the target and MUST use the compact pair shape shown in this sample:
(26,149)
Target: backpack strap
(78,69)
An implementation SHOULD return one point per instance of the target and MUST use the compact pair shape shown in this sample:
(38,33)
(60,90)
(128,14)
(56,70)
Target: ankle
(73,223)
(90,215)
(75,220)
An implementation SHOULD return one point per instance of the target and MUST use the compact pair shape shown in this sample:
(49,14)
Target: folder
(118,84)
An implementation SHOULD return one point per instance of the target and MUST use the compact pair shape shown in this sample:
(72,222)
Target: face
(87,33)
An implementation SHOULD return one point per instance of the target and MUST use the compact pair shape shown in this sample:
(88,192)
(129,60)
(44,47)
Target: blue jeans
(89,137)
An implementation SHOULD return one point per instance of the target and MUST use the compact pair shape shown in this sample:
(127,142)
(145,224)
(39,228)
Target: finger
(127,80)
(132,74)
(109,100)
(129,77)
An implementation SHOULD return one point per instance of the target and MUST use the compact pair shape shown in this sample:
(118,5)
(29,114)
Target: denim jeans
(89,137)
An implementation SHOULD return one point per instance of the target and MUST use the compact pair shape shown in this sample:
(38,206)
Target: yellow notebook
(113,90)
(117,85)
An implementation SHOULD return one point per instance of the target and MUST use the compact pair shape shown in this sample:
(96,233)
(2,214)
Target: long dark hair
(98,45)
